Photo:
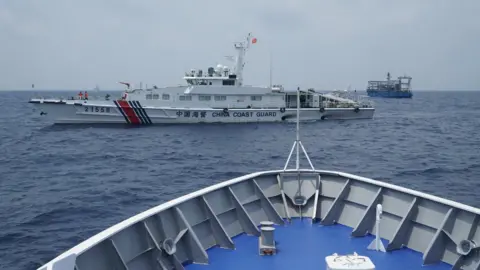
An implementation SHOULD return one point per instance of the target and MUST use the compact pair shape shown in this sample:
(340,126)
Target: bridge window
(220,98)
(204,98)
(165,96)
(185,98)
(156,96)
(256,98)
(149,96)
(228,82)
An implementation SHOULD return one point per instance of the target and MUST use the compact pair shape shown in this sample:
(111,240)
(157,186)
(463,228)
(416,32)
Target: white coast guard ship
(218,95)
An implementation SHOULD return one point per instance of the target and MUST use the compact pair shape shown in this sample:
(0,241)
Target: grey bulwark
(181,230)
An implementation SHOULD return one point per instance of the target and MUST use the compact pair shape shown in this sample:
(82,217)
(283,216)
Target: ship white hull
(132,112)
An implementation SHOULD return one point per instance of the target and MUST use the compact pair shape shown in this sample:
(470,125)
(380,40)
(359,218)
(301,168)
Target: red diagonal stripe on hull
(129,112)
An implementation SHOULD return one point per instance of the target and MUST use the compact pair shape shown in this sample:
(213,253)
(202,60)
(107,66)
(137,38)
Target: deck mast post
(377,243)
(297,141)
(299,200)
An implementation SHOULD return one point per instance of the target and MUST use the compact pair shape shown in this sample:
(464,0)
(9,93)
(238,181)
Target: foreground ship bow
(289,219)
(221,226)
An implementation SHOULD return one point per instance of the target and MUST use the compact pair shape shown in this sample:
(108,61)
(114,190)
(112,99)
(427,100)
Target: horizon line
(104,90)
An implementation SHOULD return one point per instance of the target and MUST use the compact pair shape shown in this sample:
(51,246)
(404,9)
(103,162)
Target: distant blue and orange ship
(399,88)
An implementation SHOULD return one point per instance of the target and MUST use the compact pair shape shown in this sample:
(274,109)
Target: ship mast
(271,70)
(241,48)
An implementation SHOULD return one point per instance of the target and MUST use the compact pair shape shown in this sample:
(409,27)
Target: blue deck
(301,245)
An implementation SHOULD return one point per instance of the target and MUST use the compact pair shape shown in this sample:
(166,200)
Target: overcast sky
(66,44)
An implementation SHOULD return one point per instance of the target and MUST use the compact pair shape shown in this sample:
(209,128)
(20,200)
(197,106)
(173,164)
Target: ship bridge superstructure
(223,75)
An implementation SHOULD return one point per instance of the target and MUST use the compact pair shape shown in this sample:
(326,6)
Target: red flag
(254,40)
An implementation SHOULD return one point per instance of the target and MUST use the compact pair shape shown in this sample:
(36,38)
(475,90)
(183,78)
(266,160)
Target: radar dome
(211,70)
(225,71)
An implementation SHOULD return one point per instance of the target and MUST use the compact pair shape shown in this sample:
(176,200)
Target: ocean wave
(61,184)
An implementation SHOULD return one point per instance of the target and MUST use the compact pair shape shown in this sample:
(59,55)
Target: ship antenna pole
(270,69)
(297,143)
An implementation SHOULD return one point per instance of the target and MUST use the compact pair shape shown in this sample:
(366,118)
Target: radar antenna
(271,70)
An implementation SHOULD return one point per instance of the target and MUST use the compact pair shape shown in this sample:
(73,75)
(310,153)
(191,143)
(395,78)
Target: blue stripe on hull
(388,94)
